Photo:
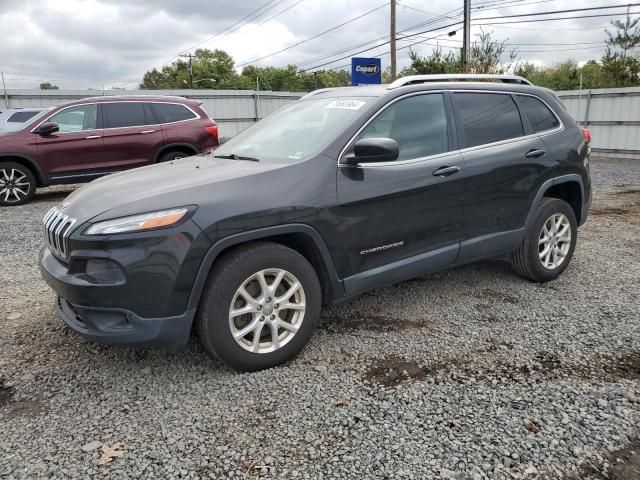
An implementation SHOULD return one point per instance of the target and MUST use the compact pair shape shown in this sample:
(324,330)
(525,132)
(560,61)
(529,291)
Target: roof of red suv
(136,98)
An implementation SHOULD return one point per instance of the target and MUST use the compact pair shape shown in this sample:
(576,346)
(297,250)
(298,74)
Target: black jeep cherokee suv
(344,190)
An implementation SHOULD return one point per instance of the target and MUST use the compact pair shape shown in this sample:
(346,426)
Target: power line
(280,13)
(571,10)
(555,19)
(313,37)
(243,20)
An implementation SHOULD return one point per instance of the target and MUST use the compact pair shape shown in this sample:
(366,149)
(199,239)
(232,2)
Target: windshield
(296,131)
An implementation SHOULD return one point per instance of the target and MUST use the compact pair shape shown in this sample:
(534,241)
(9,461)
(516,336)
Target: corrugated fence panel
(612,115)
(233,110)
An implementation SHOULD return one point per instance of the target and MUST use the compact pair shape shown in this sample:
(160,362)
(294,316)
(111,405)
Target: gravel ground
(472,373)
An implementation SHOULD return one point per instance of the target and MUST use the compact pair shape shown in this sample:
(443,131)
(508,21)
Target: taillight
(587,135)
(213,131)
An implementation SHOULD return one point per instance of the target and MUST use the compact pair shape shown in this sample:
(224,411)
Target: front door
(77,147)
(402,218)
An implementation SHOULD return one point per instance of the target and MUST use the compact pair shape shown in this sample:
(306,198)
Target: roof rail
(446,77)
(316,92)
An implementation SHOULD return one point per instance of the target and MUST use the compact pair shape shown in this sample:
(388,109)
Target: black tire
(17,184)
(173,155)
(526,259)
(228,275)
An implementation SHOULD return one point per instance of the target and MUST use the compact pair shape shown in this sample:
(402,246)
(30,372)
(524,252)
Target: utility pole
(393,40)
(190,57)
(466,41)
(4,87)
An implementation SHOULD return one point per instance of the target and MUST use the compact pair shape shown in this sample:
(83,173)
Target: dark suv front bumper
(146,302)
(122,327)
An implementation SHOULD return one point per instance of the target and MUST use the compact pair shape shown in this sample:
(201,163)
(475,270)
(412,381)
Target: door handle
(93,137)
(147,131)
(445,171)
(534,153)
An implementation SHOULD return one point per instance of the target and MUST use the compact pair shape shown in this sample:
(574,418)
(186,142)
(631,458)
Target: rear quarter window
(20,117)
(172,112)
(487,117)
(538,114)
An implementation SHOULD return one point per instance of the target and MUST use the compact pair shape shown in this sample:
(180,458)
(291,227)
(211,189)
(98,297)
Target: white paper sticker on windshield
(346,104)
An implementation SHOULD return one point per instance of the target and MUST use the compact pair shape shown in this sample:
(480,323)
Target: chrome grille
(57,227)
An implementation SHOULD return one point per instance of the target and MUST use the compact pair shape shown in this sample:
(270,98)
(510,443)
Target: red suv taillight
(587,135)
(213,131)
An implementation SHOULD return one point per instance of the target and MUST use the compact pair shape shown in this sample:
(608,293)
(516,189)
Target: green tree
(618,62)
(211,68)
(48,86)
(485,56)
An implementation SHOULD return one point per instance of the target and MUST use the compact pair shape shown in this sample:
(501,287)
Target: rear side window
(20,117)
(487,117)
(538,114)
(171,112)
(126,114)
(418,124)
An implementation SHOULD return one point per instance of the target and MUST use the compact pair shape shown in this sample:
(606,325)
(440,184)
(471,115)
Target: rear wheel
(260,308)
(17,184)
(175,155)
(549,244)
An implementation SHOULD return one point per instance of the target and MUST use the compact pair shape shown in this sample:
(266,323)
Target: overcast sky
(96,43)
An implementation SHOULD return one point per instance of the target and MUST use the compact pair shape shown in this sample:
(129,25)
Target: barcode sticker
(346,104)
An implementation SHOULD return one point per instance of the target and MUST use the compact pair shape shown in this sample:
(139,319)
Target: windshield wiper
(233,156)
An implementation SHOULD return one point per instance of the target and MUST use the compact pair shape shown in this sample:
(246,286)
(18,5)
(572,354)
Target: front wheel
(260,308)
(549,244)
(17,184)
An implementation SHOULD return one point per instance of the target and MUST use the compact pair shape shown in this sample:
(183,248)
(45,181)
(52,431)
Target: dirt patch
(28,408)
(6,393)
(609,211)
(375,323)
(489,294)
(394,370)
(623,464)
(619,203)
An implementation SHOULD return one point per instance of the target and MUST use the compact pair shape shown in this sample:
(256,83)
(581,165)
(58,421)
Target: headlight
(138,223)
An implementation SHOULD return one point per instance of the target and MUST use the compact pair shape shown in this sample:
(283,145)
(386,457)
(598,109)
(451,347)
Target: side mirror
(47,128)
(374,150)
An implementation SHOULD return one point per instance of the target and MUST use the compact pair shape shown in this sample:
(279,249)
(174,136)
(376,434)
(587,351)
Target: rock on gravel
(472,372)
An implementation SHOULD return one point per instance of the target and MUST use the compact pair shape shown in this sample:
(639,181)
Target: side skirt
(401,270)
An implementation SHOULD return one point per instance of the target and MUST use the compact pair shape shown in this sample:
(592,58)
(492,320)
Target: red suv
(82,140)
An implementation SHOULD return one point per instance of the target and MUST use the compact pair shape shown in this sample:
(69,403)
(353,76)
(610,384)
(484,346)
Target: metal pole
(393,40)
(4,87)
(580,122)
(257,98)
(466,41)
(190,57)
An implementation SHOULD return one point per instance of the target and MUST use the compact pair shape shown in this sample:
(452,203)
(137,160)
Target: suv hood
(165,185)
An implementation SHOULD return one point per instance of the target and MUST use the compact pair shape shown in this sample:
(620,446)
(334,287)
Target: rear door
(77,147)
(504,163)
(403,211)
(132,134)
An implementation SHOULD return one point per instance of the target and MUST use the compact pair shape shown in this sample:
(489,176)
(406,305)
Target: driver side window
(76,119)
(417,123)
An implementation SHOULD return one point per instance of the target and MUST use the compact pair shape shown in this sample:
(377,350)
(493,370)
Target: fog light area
(104,271)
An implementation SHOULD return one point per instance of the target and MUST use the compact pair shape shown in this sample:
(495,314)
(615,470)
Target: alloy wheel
(554,241)
(14,185)
(267,310)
